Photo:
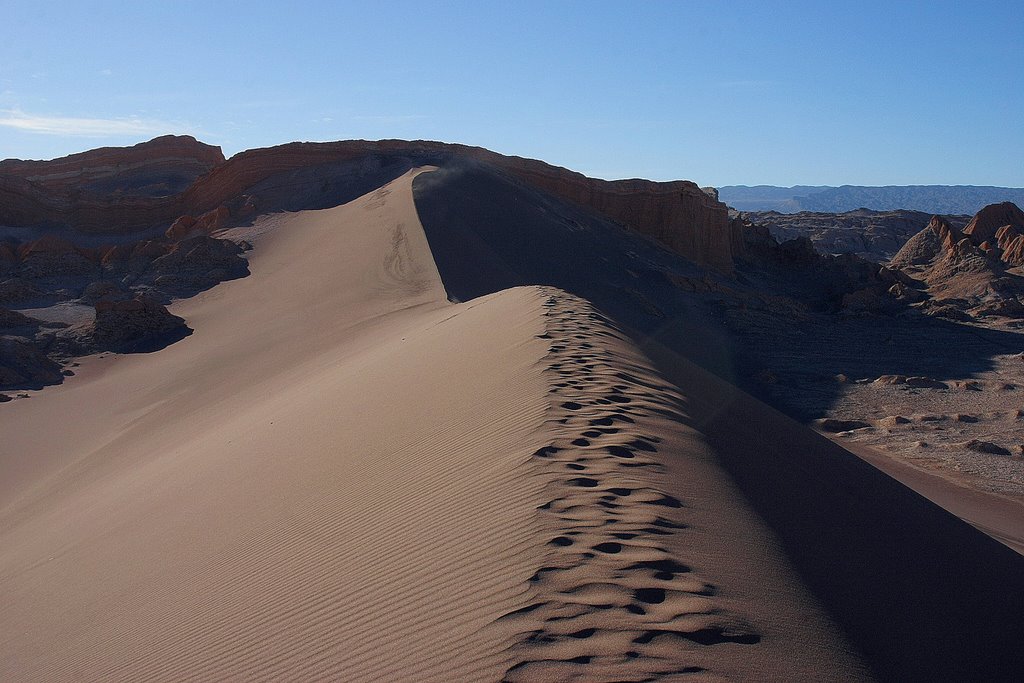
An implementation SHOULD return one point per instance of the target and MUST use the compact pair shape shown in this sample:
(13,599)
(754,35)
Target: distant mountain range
(932,199)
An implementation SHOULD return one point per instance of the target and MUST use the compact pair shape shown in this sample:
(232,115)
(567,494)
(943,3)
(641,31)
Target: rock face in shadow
(296,176)
(127,283)
(823,282)
(52,269)
(488,229)
(137,324)
(678,214)
(25,366)
(192,265)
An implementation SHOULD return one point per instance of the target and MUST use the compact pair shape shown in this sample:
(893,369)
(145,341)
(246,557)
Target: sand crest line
(611,600)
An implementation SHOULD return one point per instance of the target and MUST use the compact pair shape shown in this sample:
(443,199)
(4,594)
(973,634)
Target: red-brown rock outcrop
(995,234)
(969,268)
(987,223)
(303,175)
(160,167)
(678,214)
(106,190)
(187,226)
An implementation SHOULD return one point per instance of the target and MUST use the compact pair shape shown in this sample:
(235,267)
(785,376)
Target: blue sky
(722,93)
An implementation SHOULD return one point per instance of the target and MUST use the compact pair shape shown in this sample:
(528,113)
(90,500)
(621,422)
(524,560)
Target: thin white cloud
(81,127)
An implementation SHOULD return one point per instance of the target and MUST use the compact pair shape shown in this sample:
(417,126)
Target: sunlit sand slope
(323,482)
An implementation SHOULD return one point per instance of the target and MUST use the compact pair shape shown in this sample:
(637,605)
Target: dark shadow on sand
(922,595)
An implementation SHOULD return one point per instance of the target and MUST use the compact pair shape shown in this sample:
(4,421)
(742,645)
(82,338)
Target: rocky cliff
(678,214)
(160,167)
(316,175)
(110,190)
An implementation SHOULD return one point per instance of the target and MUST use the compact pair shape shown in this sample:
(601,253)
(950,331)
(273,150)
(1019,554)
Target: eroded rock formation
(970,270)
(873,235)
(316,175)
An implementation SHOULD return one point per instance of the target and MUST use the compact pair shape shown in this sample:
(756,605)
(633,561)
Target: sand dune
(341,475)
(288,494)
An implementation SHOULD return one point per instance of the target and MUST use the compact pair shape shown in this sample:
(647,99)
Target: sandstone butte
(117,190)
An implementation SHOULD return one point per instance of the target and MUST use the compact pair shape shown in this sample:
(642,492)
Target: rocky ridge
(111,190)
(930,199)
(872,235)
(160,167)
(316,175)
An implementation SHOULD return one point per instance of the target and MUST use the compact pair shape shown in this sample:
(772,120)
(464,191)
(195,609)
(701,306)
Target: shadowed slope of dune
(921,594)
(488,231)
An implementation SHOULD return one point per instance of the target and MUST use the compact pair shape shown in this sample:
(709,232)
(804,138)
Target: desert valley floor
(346,473)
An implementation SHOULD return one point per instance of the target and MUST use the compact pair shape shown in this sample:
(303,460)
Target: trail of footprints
(611,603)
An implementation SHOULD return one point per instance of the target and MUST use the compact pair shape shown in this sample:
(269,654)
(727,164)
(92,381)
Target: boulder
(985,447)
(137,324)
(833,425)
(925,383)
(104,290)
(13,319)
(23,365)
